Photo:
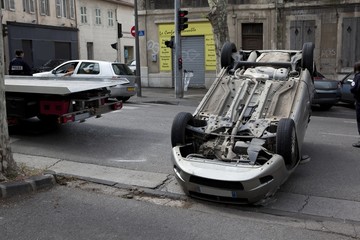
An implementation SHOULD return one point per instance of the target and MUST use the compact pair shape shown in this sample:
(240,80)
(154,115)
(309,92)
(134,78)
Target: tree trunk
(218,20)
(8,167)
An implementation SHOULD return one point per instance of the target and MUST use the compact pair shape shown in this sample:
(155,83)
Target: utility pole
(181,23)
(138,74)
(179,86)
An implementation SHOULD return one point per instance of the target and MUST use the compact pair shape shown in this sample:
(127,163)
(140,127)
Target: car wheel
(307,60)
(325,106)
(179,134)
(286,142)
(124,99)
(226,54)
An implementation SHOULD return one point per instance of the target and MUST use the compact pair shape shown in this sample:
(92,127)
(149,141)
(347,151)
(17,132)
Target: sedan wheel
(179,134)
(226,54)
(286,142)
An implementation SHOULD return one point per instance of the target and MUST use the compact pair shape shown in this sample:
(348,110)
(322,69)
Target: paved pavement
(161,184)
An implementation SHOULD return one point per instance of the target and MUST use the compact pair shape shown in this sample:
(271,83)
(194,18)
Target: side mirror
(349,80)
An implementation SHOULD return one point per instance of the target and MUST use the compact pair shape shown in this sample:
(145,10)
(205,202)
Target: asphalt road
(71,212)
(138,138)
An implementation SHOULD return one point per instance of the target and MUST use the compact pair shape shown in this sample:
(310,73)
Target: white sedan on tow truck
(101,70)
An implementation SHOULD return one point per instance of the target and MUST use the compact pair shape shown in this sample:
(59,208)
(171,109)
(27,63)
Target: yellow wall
(194,29)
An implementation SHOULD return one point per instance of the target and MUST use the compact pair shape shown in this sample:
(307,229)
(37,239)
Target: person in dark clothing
(355,89)
(18,66)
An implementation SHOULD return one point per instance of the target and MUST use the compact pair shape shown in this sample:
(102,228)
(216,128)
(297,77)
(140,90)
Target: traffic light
(169,44)
(180,63)
(183,20)
(4,30)
(114,46)
(119,28)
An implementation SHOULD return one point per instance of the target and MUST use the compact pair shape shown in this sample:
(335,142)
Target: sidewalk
(160,184)
(191,97)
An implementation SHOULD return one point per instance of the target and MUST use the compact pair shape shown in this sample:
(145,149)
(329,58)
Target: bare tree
(218,20)
(8,167)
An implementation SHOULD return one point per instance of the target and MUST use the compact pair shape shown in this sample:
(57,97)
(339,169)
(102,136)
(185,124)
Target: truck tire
(179,134)
(307,60)
(226,58)
(286,142)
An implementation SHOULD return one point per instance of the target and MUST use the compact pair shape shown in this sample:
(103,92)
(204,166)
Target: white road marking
(350,122)
(13,140)
(127,160)
(338,134)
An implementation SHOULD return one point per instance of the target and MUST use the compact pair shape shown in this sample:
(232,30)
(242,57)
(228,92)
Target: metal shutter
(193,56)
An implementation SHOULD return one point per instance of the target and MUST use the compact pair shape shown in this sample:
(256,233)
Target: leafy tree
(218,20)
(8,167)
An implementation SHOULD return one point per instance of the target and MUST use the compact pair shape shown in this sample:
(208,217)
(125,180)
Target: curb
(29,185)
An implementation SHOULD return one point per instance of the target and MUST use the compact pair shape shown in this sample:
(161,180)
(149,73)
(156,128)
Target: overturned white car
(245,137)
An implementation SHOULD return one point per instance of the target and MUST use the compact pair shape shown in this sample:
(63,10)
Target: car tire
(307,60)
(286,142)
(179,134)
(48,118)
(226,58)
(124,99)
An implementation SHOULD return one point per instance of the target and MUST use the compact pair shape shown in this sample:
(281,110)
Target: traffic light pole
(179,86)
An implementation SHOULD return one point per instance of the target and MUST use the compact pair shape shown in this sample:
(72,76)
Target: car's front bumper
(230,183)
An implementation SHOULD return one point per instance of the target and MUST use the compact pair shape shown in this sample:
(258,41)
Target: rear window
(121,69)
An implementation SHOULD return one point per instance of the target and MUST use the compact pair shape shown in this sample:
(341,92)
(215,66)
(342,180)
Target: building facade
(67,29)
(333,25)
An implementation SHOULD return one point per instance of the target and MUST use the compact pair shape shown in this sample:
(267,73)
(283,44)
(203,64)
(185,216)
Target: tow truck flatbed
(58,86)
(59,100)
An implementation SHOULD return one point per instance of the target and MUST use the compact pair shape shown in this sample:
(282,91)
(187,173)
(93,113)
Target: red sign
(133,31)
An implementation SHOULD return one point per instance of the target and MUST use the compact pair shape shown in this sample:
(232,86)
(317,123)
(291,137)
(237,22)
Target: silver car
(245,137)
(94,69)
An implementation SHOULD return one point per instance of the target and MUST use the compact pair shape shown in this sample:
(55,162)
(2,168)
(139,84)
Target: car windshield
(121,69)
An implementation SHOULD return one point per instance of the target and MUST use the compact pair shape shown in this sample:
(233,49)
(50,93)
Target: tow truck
(58,100)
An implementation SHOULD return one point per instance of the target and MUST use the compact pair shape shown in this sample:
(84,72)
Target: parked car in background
(132,65)
(49,65)
(98,69)
(245,138)
(327,91)
(347,96)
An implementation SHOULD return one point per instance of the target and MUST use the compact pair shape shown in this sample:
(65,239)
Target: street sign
(132,31)
(141,32)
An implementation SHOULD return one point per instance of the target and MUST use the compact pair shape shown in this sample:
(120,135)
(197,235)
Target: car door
(347,96)
(64,68)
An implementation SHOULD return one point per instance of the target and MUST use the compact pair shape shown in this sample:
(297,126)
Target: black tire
(124,99)
(179,134)
(307,60)
(286,142)
(226,54)
(325,106)
(50,119)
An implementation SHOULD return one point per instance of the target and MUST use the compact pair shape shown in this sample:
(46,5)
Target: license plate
(131,89)
(216,192)
(81,116)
